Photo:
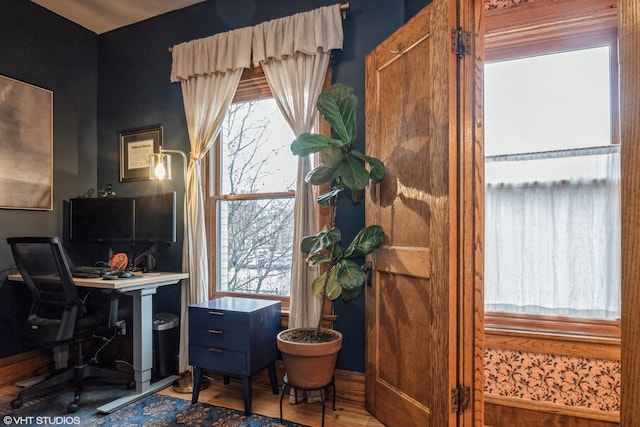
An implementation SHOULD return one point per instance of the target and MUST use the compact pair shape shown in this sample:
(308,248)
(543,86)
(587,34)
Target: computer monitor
(101,219)
(155,218)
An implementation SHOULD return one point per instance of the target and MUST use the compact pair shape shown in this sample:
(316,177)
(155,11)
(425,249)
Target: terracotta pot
(309,365)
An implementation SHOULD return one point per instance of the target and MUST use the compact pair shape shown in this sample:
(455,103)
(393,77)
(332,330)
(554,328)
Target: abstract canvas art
(26,146)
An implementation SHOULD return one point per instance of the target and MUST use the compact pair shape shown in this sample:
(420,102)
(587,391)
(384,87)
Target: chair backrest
(46,270)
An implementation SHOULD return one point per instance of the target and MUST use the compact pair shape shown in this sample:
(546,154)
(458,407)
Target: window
(552,217)
(253,196)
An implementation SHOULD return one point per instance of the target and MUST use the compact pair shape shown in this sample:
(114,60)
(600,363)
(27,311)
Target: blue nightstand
(235,337)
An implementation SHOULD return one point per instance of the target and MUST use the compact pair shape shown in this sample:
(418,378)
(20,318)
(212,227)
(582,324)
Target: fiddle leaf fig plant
(344,168)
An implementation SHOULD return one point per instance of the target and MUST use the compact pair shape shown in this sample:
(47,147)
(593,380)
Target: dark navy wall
(412,7)
(45,50)
(134,90)
(120,80)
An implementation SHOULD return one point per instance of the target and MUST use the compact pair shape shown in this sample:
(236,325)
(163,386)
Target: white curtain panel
(208,70)
(553,233)
(294,52)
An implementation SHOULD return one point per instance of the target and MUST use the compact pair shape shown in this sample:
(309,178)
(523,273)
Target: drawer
(222,361)
(229,321)
(218,338)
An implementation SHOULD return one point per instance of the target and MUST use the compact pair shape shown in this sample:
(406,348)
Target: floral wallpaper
(563,380)
(499,4)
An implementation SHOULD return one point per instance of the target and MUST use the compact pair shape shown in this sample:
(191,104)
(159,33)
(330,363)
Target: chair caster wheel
(131,385)
(16,403)
(73,407)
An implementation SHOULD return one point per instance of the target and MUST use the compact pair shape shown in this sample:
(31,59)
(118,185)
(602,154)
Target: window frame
(252,86)
(545,27)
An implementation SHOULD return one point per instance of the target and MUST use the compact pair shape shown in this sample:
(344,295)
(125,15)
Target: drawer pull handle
(217,313)
(216,350)
(216,331)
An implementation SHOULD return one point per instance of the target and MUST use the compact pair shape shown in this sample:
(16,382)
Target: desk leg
(143,337)
(142,351)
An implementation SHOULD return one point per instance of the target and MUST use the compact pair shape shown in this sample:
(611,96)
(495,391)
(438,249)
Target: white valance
(215,54)
(307,32)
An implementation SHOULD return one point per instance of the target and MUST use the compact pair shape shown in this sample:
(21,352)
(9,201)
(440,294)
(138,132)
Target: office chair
(59,317)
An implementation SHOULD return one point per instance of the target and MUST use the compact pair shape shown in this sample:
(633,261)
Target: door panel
(412,303)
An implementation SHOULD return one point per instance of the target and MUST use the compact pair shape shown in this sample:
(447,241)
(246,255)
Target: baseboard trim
(23,366)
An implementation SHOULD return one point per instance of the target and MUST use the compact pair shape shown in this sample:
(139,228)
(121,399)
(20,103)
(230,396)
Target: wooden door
(629,19)
(423,335)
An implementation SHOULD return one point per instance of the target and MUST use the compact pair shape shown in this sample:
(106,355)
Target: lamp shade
(160,166)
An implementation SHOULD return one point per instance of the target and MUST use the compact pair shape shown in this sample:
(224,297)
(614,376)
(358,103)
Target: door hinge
(460,42)
(460,398)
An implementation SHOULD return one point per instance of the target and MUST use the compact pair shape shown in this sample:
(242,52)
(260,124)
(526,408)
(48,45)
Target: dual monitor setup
(149,218)
(143,219)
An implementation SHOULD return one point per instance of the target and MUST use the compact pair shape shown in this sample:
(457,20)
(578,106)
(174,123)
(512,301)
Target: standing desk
(142,289)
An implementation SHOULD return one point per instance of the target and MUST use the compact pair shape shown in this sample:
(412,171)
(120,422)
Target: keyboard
(86,272)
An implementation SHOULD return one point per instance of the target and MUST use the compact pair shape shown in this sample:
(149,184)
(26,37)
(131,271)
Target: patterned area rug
(153,410)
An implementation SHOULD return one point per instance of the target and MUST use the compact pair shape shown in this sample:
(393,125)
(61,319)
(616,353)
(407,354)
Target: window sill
(556,325)
(607,348)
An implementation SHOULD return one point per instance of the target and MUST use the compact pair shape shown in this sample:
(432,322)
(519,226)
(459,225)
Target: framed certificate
(136,145)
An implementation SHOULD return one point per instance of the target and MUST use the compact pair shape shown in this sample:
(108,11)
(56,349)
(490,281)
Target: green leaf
(331,156)
(317,259)
(321,174)
(351,294)
(349,275)
(318,283)
(309,143)
(376,167)
(366,241)
(353,173)
(316,243)
(333,289)
(338,105)
(325,199)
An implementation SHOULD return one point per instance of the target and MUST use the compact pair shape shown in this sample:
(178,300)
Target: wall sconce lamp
(160,164)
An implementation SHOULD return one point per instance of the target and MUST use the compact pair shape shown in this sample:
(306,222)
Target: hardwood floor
(266,403)
(349,394)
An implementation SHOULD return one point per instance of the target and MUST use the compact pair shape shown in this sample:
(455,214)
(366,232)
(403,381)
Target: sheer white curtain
(208,70)
(294,52)
(553,233)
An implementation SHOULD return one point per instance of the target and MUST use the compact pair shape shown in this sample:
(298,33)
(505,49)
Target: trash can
(166,342)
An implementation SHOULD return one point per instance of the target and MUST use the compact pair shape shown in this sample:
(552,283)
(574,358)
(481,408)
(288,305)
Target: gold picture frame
(136,145)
